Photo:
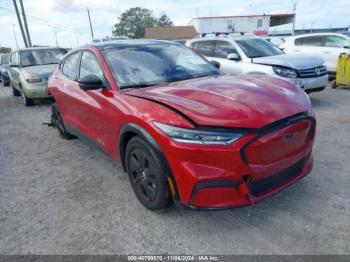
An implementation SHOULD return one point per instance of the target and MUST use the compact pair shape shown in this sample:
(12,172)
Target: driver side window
(223,49)
(90,66)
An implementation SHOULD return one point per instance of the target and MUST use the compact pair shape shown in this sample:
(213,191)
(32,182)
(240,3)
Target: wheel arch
(131,130)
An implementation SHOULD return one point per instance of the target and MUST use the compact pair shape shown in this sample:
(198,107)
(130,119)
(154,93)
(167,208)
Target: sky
(67,19)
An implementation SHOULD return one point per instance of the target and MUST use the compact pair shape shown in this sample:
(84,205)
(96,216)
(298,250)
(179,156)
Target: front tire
(15,92)
(57,122)
(147,175)
(27,101)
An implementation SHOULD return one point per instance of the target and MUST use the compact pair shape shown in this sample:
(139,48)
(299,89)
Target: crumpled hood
(295,61)
(228,101)
(44,71)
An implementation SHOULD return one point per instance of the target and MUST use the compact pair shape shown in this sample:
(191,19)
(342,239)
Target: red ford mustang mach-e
(182,131)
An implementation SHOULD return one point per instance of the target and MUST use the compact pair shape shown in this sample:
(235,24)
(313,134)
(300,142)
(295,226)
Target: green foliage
(4,50)
(132,22)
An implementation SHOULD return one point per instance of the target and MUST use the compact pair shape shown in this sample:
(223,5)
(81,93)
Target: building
(175,33)
(252,24)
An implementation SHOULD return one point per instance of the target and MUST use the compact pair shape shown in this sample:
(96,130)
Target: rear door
(69,101)
(310,45)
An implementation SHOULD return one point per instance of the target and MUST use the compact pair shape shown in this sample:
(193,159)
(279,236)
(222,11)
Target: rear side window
(223,49)
(206,48)
(309,41)
(70,66)
(90,66)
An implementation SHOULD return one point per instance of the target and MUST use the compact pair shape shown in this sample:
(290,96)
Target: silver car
(30,69)
(239,55)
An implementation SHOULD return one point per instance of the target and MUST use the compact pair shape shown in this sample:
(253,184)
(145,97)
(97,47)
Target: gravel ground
(64,197)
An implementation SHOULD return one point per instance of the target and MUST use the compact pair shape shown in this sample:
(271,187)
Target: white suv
(326,45)
(239,55)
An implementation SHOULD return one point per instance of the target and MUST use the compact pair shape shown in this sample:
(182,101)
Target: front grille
(313,72)
(262,186)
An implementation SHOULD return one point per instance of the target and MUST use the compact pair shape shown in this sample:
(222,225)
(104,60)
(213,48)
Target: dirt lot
(64,197)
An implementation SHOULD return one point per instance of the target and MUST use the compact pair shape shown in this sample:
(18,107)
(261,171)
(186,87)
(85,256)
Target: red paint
(232,102)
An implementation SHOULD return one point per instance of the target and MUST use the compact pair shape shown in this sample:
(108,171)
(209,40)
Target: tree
(4,50)
(132,22)
(164,21)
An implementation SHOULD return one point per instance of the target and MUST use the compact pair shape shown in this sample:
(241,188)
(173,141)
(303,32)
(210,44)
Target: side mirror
(233,57)
(347,45)
(215,63)
(90,82)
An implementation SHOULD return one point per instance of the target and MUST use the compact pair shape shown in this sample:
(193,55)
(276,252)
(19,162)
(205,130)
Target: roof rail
(223,34)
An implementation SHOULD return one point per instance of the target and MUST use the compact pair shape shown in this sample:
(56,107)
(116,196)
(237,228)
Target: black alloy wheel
(147,176)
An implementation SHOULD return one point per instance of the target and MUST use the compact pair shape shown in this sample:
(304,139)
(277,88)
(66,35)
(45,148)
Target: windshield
(156,63)
(257,47)
(41,56)
(5,59)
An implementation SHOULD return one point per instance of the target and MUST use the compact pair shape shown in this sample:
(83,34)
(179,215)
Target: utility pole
(20,24)
(92,32)
(295,14)
(14,33)
(25,23)
(56,38)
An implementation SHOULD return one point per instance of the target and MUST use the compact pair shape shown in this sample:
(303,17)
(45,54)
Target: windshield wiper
(141,85)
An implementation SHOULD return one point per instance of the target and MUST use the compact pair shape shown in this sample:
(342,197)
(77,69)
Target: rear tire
(57,122)
(147,175)
(27,101)
(15,92)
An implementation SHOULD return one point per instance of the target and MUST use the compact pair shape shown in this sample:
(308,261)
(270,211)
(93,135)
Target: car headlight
(285,72)
(31,77)
(201,137)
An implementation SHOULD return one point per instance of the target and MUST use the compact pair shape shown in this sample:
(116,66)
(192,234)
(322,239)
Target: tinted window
(5,59)
(194,46)
(155,63)
(41,57)
(335,41)
(257,47)
(223,49)
(309,41)
(13,58)
(70,65)
(90,66)
(206,48)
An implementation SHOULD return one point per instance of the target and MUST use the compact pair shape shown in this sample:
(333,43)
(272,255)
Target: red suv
(183,131)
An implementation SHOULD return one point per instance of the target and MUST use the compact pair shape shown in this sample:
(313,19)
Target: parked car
(326,45)
(4,66)
(30,69)
(253,55)
(277,41)
(182,130)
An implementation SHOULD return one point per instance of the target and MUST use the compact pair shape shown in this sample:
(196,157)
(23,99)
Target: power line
(43,21)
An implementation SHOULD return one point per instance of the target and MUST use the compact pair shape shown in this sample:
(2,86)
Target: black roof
(128,43)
